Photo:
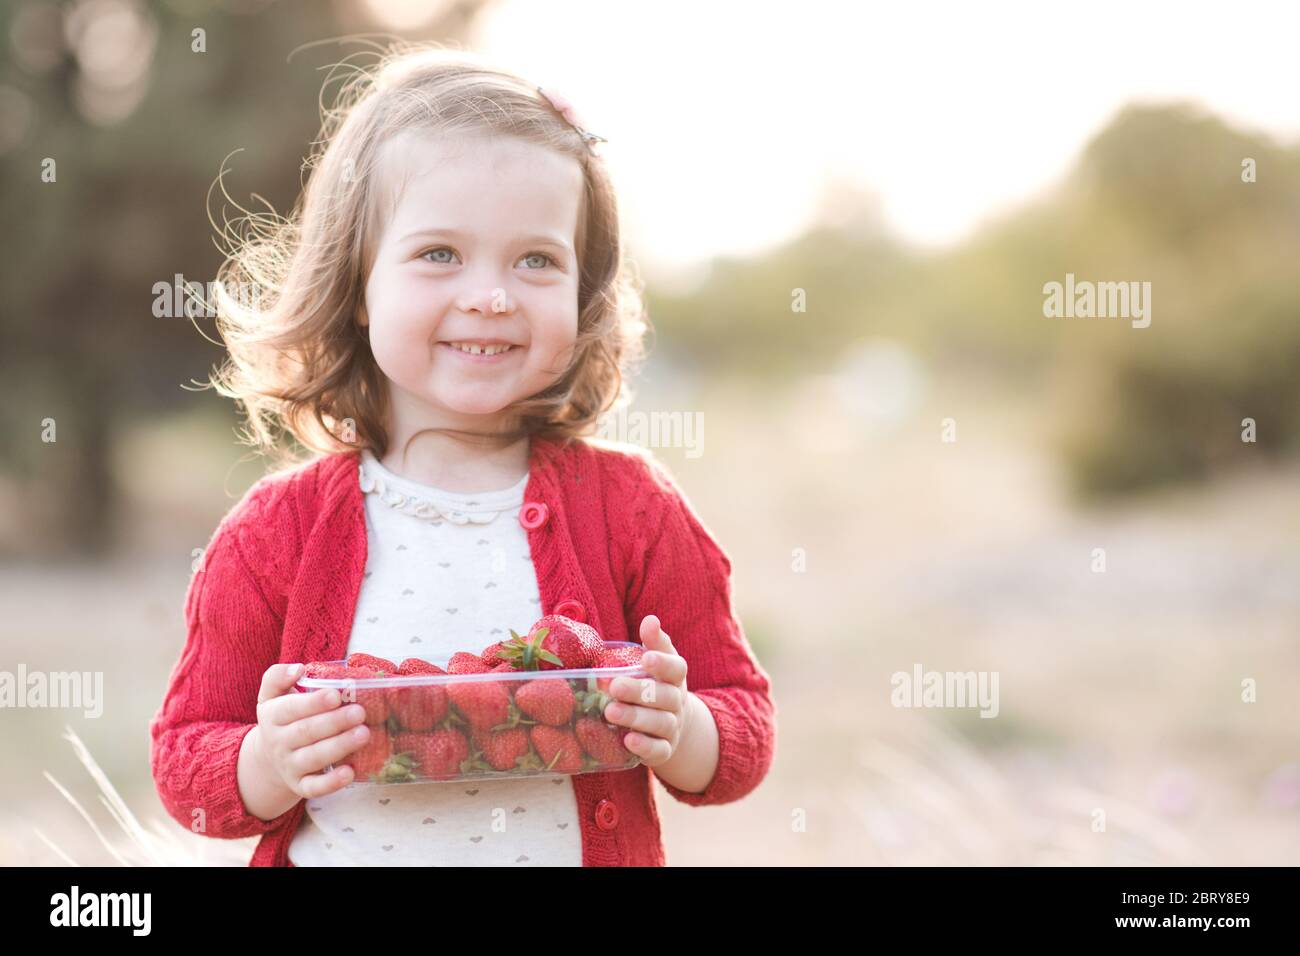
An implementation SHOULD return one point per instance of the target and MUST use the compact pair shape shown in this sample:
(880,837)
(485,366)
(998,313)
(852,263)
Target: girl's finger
(651,750)
(669,668)
(320,784)
(650,631)
(278,679)
(656,723)
(654,637)
(334,749)
(291,707)
(305,732)
(647,693)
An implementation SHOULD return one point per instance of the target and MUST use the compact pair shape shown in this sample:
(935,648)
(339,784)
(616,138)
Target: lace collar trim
(434,504)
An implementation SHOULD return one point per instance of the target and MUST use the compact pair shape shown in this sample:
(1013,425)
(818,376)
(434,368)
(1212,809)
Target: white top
(445,572)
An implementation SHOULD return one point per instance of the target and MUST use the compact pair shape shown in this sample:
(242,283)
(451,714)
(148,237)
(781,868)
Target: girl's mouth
(470,352)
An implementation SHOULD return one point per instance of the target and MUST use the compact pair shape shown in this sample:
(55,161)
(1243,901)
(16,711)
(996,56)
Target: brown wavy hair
(298,360)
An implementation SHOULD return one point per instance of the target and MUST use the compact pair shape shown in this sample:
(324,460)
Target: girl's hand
(301,734)
(656,709)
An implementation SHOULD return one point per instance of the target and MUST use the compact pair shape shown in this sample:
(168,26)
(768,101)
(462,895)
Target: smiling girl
(444,320)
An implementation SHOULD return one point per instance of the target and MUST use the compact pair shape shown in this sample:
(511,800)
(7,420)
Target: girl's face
(478,251)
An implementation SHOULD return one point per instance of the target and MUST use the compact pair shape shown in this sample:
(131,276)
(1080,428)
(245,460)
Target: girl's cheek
(394,285)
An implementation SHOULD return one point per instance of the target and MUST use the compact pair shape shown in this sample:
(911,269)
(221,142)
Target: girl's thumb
(276,682)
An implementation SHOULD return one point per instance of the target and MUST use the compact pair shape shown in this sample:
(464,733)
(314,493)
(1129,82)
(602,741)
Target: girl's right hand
(301,734)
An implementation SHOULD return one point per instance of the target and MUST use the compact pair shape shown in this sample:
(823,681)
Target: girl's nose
(486,299)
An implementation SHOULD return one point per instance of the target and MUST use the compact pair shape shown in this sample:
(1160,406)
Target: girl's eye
(429,254)
(433,252)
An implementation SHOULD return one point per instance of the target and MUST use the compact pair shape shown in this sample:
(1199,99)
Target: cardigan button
(573,610)
(534,514)
(607,814)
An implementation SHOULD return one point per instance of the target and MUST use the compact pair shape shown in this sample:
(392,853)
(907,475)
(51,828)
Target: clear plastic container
(447,727)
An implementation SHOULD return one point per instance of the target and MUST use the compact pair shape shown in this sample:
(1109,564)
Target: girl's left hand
(655,709)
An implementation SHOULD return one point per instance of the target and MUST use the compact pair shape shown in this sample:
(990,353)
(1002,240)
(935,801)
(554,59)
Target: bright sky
(725,119)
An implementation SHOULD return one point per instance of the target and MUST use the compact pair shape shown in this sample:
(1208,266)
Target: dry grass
(162,844)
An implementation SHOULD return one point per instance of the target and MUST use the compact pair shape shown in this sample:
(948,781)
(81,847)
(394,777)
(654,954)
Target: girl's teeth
(481,349)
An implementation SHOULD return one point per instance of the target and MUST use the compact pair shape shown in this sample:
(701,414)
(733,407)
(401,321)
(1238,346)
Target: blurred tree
(1157,196)
(137,120)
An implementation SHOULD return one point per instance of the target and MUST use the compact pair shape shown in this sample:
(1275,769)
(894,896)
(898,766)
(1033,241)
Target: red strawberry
(489,655)
(435,756)
(325,670)
(483,703)
(377,664)
(328,669)
(620,656)
(574,643)
(502,749)
(527,653)
(414,665)
(463,662)
(555,642)
(368,760)
(577,644)
(547,700)
(373,699)
(420,707)
(559,749)
(625,656)
(603,742)
(503,667)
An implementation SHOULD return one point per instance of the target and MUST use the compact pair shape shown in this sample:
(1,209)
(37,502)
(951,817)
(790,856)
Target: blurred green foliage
(1157,196)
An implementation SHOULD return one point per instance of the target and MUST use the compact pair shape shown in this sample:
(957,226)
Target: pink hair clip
(565,109)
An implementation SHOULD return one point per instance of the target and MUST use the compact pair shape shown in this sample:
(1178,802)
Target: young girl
(442,324)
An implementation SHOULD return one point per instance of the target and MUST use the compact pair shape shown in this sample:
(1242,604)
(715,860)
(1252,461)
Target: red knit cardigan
(279,582)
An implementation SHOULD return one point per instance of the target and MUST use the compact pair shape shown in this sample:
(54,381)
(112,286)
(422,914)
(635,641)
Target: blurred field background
(1119,692)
